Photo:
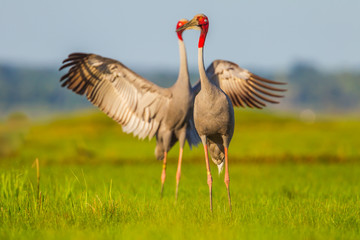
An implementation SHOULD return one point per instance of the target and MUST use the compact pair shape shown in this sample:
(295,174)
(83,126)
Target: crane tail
(220,167)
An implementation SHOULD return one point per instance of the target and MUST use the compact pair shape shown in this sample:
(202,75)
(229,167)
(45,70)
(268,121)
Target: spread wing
(243,87)
(136,103)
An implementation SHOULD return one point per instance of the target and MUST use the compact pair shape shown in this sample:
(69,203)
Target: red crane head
(181,23)
(199,22)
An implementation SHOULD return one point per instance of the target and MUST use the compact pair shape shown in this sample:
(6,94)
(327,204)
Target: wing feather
(136,103)
(243,87)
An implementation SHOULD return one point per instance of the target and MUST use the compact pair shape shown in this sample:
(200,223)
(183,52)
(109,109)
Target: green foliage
(93,138)
(35,91)
(324,91)
(269,201)
(290,179)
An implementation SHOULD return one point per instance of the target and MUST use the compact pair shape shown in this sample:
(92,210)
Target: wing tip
(72,59)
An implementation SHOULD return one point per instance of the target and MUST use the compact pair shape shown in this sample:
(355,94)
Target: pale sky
(266,34)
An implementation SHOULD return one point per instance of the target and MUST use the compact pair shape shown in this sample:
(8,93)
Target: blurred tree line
(30,89)
(38,90)
(333,92)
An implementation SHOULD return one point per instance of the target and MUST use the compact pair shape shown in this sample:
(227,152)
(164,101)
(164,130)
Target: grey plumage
(243,88)
(221,86)
(140,106)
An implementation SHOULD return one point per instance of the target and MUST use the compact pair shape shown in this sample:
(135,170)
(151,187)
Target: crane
(221,86)
(140,106)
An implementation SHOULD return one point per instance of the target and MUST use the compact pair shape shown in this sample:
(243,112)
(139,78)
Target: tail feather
(192,136)
(217,155)
(220,167)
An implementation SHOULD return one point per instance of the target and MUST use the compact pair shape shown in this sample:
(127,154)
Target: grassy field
(289,180)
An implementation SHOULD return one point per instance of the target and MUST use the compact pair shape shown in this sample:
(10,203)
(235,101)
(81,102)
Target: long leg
(208,171)
(178,172)
(182,138)
(227,178)
(166,141)
(163,173)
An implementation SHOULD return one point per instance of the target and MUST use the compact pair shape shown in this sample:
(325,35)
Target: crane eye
(179,24)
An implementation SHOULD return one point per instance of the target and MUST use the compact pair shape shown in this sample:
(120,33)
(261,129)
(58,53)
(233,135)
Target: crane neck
(205,83)
(183,76)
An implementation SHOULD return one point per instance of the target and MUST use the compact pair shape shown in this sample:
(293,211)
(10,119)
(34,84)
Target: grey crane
(221,86)
(140,106)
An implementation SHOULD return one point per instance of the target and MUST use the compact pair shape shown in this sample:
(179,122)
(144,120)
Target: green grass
(269,201)
(289,180)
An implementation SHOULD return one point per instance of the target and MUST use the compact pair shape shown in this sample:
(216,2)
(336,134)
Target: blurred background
(311,45)
(294,166)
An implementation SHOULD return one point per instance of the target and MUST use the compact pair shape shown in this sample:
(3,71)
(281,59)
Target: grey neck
(205,83)
(183,77)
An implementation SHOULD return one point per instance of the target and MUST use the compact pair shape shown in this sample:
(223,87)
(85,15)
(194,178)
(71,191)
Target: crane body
(222,86)
(140,106)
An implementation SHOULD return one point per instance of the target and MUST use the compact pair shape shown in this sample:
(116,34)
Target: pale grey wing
(136,103)
(243,87)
